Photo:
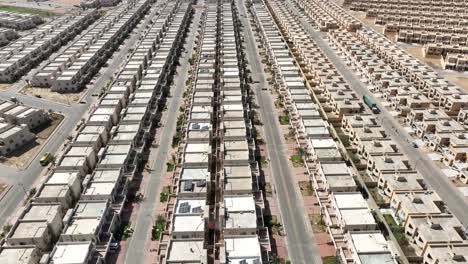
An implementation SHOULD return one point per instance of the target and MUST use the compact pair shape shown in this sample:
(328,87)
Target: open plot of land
(22,156)
(25,10)
(417,52)
(4,86)
(69,2)
(47,94)
(458,80)
(371,23)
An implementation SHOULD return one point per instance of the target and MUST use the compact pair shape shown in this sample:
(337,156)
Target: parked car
(46,159)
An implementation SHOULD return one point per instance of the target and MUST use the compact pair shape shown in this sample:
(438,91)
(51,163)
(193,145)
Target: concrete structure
(19,21)
(405,204)
(424,231)
(74,253)
(19,57)
(455,253)
(35,233)
(350,212)
(20,255)
(13,137)
(369,247)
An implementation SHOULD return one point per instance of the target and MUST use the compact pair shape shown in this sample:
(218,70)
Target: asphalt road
(26,179)
(299,236)
(140,240)
(433,176)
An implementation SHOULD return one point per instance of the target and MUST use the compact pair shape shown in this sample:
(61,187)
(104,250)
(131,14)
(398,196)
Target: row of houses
(426,37)
(19,21)
(16,121)
(451,6)
(329,15)
(215,188)
(454,55)
(437,119)
(409,18)
(349,219)
(28,51)
(7,35)
(429,227)
(98,3)
(75,67)
(71,70)
(441,30)
(79,205)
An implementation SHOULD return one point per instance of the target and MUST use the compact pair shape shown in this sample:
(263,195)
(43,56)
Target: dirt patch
(47,94)
(361,16)
(70,2)
(318,223)
(3,187)
(417,52)
(22,156)
(4,86)
(306,188)
(460,81)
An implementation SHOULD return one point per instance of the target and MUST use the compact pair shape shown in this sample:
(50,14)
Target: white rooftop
(242,250)
(350,200)
(73,253)
(239,203)
(371,242)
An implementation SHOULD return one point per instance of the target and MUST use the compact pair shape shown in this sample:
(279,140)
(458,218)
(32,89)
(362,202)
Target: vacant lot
(417,52)
(460,81)
(4,86)
(47,94)
(21,157)
(24,10)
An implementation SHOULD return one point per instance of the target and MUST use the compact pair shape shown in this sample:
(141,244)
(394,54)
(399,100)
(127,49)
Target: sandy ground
(55,7)
(4,86)
(47,94)
(70,2)
(371,23)
(21,157)
(460,81)
(417,52)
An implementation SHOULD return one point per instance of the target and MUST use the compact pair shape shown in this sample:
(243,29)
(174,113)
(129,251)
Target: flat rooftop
(39,212)
(190,206)
(22,255)
(100,188)
(82,226)
(350,200)
(108,175)
(90,209)
(246,248)
(71,253)
(194,174)
(30,230)
(369,242)
(444,254)
(335,168)
(188,223)
(186,251)
(357,217)
(418,202)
